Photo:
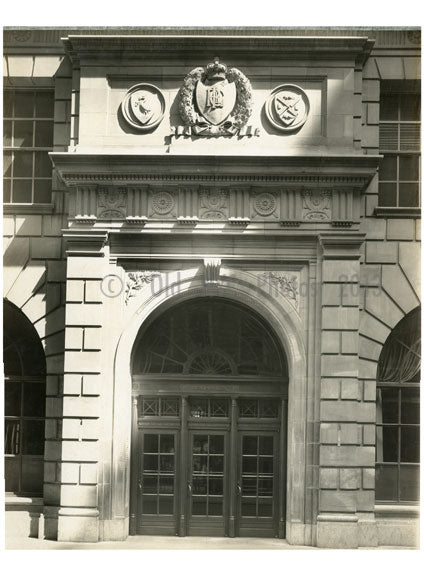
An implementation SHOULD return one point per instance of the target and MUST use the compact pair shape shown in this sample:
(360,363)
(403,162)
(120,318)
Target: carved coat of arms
(216,101)
(143,107)
(287,107)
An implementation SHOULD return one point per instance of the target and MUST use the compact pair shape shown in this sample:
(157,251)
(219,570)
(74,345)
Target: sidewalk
(157,543)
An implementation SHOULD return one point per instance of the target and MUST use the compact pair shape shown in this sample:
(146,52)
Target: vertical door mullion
(281,481)
(233,464)
(185,464)
(136,470)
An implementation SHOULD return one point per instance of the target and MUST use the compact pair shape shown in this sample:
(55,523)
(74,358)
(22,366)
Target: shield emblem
(145,106)
(289,107)
(216,102)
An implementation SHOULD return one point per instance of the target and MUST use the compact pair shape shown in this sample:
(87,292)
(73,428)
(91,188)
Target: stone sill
(13,502)
(396,511)
(396,212)
(28,208)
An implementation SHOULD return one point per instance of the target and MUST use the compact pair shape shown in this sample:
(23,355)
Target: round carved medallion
(287,107)
(143,107)
(265,204)
(162,202)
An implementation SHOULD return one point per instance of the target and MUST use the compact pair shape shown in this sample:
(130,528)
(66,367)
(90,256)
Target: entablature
(178,190)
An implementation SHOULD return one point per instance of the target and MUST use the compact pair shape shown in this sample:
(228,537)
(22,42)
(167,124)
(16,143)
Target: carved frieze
(287,107)
(316,206)
(282,284)
(265,205)
(143,107)
(213,204)
(135,281)
(111,203)
(162,203)
(216,101)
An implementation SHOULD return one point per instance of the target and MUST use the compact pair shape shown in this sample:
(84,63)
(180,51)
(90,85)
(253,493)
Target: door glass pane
(166,485)
(266,465)
(265,508)
(166,443)
(249,486)
(266,445)
(250,445)
(149,505)
(150,443)
(248,507)
(257,481)
(150,484)
(166,505)
(158,483)
(32,476)
(150,463)
(265,486)
(167,463)
(34,399)
(207,478)
(249,465)
(33,437)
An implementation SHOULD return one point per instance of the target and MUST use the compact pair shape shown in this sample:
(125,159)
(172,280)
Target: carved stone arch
(287,327)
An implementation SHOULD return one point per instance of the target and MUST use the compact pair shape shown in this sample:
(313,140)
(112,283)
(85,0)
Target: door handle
(238,489)
(140,485)
(190,487)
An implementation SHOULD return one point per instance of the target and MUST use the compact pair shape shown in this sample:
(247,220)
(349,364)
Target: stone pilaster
(345,458)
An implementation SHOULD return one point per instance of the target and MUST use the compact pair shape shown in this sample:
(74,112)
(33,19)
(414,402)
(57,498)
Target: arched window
(398,413)
(209,337)
(25,384)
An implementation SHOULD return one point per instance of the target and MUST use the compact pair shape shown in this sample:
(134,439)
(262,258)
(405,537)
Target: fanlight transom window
(210,337)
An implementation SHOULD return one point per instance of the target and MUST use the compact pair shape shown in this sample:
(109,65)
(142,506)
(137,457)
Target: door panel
(157,484)
(206,486)
(258,506)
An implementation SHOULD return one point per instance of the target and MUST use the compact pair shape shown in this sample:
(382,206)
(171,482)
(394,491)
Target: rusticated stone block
(91,385)
(92,339)
(81,406)
(93,293)
(330,342)
(28,225)
(73,338)
(350,478)
(338,411)
(332,294)
(72,384)
(46,248)
(52,450)
(51,429)
(328,478)
(69,473)
(400,229)
(349,434)
(88,474)
(330,388)
(71,428)
(345,455)
(88,268)
(82,361)
(50,471)
(368,478)
(329,433)
(78,495)
(369,391)
(84,315)
(368,435)
(365,500)
(381,252)
(339,366)
(337,501)
(340,318)
(366,412)
(90,429)
(75,451)
(341,271)
(75,291)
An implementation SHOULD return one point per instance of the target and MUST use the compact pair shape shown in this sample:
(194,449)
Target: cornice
(120,169)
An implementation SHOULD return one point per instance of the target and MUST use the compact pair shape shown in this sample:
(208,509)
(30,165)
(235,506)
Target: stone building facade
(212,284)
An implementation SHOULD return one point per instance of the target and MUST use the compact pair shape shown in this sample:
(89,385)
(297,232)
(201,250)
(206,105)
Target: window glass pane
(22,191)
(390,443)
(7,133)
(32,476)
(44,104)
(386,478)
(12,399)
(22,164)
(33,437)
(7,103)
(390,405)
(388,168)
(410,444)
(11,472)
(24,104)
(42,191)
(23,133)
(389,107)
(43,134)
(409,167)
(408,194)
(6,190)
(410,405)
(410,107)
(151,443)
(7,164)
(409,483)
(34,399)
(43,166)
(12,436)
(387,195)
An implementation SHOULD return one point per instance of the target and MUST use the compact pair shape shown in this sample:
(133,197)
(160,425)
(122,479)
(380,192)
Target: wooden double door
(211,477)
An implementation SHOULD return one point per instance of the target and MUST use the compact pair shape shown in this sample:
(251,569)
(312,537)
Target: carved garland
(136,281)
(240,113)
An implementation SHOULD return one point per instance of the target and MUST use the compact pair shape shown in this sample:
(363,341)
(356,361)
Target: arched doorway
(210,391)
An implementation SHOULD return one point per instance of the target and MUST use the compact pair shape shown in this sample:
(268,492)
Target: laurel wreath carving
(241,111)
